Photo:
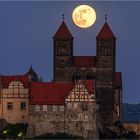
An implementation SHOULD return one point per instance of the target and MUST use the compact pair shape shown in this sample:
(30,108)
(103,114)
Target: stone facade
(72,120)
(76,116)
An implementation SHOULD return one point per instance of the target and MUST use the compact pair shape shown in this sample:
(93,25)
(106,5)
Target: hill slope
(131,112)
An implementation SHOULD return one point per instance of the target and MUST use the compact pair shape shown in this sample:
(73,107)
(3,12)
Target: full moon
(84,16)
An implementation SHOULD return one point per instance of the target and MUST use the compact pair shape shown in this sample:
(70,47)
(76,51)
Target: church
(86,91)
(99,68)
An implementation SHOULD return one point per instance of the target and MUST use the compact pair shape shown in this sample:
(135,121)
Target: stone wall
(77,118)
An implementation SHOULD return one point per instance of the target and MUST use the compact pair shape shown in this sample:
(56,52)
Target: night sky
(27,30)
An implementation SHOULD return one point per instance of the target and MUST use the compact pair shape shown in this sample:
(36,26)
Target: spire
(63,17)
(105,32)
(105,18)
(32,74)
(63,31)
(30,70)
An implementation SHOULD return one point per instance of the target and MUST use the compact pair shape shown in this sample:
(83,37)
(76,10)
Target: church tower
(62,55)
(105,75)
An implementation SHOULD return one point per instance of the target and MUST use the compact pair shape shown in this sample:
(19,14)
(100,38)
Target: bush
(13,131)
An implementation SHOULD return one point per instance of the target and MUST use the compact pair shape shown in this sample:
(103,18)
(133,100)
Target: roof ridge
(84,56)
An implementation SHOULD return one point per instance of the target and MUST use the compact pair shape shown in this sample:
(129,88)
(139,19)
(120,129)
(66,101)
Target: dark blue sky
(27,29)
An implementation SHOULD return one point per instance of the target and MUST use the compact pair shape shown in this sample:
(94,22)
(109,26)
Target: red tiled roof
(6,80)
(118,79)
(84,61)
(105,33)
(49,93)
(63,32)
(53,93)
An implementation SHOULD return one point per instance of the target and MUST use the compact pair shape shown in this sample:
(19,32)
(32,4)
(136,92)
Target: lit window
(37,108)
(78,86)
(9,106)
(22,106)
(54,108)
(61,108)
(15,82)
(44,107)
(77,96)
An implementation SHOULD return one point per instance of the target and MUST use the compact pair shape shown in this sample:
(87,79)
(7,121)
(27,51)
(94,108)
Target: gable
(6,80)
(15,84)
(80,92)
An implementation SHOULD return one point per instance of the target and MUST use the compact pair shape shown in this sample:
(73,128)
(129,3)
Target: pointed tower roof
(31,71)
(105,33)
(63,32)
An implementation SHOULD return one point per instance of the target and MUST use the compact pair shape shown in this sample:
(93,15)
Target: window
(44,107)
(77,96)
(49,107)
(58,116)
(84,107)
(22,116)
(9,106)
(80,117)
(22,106)
(85,117)
(61,108)
(54,108)
(37,108)
(75,105)
(69,105)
